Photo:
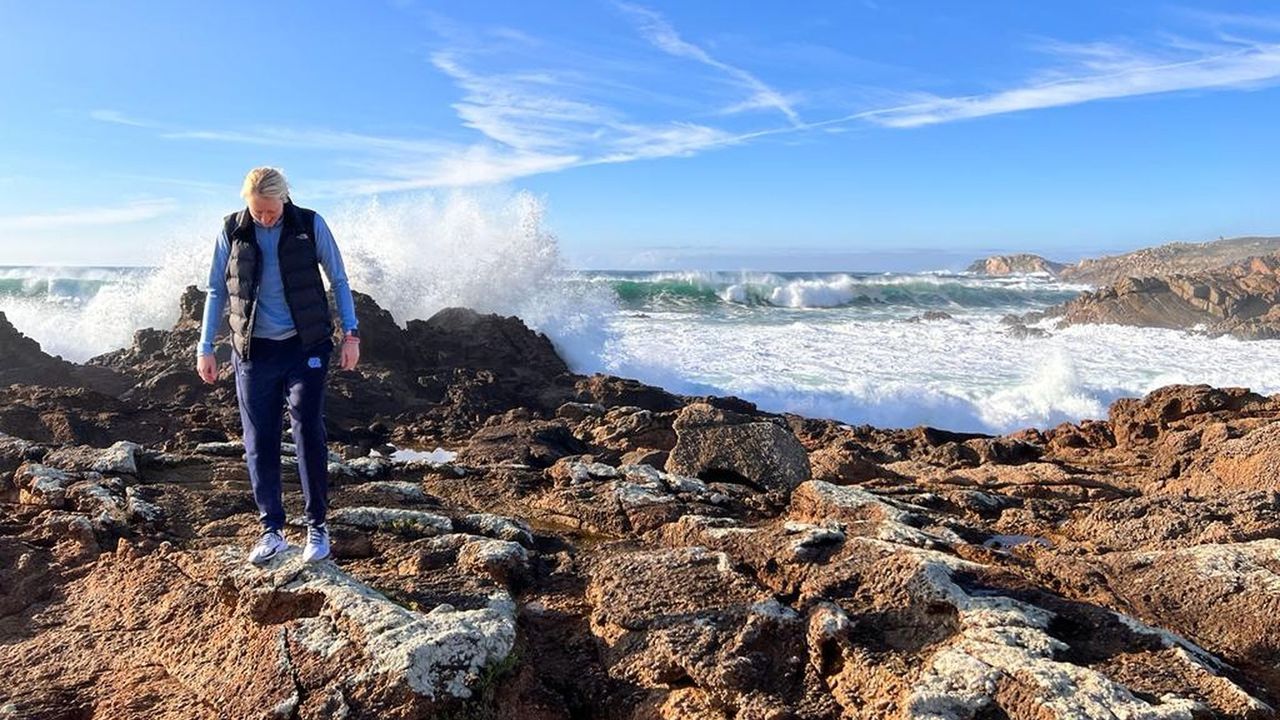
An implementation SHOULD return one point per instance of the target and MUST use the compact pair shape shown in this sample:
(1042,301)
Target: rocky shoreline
(599,548)
(1227,287)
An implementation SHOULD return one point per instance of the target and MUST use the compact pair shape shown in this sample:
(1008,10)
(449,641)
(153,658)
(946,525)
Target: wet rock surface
(599,548)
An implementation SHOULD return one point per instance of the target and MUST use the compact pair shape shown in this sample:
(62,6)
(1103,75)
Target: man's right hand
(207,368)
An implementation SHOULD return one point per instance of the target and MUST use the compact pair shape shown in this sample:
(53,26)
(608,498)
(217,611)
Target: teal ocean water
(852,344)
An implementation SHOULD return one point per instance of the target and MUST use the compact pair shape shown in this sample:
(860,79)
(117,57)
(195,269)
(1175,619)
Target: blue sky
(850,135)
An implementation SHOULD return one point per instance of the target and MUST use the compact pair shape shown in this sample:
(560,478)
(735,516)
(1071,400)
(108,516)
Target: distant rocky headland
(593,547)
(1019,264)
(1223,287)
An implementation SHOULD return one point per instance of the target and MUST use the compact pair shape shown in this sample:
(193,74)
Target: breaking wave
(847,345)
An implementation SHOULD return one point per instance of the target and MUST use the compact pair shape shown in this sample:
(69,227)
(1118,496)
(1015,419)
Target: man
(266,265)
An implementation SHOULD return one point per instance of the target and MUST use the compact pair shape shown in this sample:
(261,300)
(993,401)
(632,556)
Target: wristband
(351,339)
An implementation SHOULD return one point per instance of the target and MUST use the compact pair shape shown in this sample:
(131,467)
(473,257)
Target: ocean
(849,345)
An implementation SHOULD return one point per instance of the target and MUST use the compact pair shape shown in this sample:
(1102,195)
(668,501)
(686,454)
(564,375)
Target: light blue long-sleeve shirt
(273,319)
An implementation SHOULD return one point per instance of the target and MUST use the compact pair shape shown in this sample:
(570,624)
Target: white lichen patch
(715,528)
(439,653)
(828,621)
(92,497)
(221,449)
(369,467)
(641,472)
(1002,640)
(120,458)
(1237,564)
(42,485)
(398,488)
(500,558)
(773,610)
(497,526)
(141,509)
(895,520)
(379,518)
(636,495)
(318,635)
(581,472)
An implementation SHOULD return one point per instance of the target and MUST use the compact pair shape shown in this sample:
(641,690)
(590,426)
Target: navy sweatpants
(279,372)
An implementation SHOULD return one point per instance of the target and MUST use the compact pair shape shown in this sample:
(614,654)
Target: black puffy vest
(299,272)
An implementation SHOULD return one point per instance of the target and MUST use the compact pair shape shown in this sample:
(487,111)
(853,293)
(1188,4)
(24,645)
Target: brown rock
(724,445)
(686,617)
(1238,299)
(610,391)
(537,443)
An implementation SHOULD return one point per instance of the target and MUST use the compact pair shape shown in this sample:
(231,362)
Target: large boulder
(461,337)
(715,444)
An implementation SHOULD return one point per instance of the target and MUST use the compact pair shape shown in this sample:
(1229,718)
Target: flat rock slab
(222,638)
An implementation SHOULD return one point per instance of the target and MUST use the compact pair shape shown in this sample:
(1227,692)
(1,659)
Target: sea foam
(844,345)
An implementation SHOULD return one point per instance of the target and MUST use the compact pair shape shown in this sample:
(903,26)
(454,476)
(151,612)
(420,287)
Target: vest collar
(288,218)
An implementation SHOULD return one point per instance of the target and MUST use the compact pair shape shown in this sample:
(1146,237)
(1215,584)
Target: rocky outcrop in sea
(1018,264)
(1242,299)
(593,547)
(1217,288)
(1178,258)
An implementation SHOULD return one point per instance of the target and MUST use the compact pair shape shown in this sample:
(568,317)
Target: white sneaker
(317,547)
(269,544)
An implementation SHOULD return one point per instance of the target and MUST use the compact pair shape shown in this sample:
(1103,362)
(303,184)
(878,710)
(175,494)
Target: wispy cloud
(520,109)
(533,115)
(118,118)
(90,216)
(311,138)
(541,106)
(1101,71)
(658,31)
(524,112)
(464,166)
(204,186)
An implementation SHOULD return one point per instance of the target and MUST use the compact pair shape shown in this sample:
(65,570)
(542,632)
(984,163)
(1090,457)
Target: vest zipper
(257,283)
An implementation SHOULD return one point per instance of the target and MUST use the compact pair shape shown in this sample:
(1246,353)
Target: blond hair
(265,182)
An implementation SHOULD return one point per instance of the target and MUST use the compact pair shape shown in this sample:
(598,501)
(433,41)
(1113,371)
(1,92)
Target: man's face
(265,210)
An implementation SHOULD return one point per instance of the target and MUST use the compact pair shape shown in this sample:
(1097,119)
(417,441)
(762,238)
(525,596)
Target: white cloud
(1101,71)
(465,166)
(533,128)
(119,118)
(672,140)
(531,119)
(136,211)
(663,36)
(310,138)
(518,110)
(540,107)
